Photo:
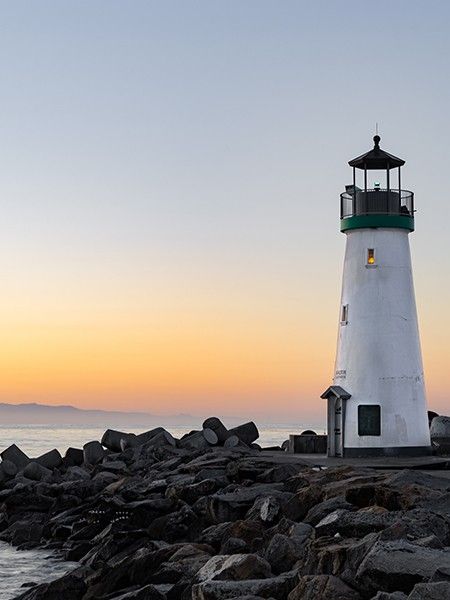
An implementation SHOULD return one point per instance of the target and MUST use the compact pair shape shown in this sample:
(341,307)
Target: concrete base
(393,452)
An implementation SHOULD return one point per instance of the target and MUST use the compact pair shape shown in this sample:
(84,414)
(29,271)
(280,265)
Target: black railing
(377,202)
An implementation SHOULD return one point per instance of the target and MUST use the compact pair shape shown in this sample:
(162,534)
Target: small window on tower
(371,256)
(344,314)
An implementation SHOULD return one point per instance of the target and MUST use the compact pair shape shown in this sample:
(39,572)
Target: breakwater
(212,516)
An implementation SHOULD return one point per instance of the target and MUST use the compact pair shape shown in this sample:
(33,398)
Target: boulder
(440,427)
(247,432)
(236,567)
(70,587)
(323,509)
(192,492)
(163,438)
(398,566)
(265,508)
(354,524)
(9,468)
(36,472)
(277,588)
(283,552)
(111,439)
(232,441)
(390,596)
(50,460)
(437,590)
(146,436)
(218,427)
(195,441)
(229,506)
(325,587)
(73,457)
(441,574)
(93,453)
(16,456)
(148,592)
(210,436)
(75,473)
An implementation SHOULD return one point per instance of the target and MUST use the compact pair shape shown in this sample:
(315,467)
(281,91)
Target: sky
(169,188)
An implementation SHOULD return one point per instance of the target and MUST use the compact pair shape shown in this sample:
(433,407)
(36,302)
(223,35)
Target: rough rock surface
(151,517)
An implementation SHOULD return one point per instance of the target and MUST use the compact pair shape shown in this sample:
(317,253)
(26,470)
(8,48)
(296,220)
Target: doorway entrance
(336,398)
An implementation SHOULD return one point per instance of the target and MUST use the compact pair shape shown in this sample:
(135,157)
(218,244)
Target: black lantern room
(377,206)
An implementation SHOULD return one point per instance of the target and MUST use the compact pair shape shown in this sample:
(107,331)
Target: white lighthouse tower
(377,405)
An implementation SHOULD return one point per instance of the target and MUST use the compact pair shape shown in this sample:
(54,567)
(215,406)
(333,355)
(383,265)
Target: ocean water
(23,566)
(19,567)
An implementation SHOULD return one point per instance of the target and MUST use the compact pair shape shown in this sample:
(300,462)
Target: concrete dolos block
(16,456)
(93,453)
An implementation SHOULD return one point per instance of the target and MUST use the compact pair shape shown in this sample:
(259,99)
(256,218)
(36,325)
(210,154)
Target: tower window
(369,419)
(371,256)
(344,314)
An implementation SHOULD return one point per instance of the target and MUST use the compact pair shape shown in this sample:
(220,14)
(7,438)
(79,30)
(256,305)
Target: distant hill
(44,414)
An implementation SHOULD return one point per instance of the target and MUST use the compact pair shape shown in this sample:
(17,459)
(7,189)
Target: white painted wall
(378,357)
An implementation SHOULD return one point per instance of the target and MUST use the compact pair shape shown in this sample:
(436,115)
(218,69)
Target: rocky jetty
(150,517)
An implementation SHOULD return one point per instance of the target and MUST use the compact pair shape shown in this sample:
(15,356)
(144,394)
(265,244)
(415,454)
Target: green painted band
(366,221)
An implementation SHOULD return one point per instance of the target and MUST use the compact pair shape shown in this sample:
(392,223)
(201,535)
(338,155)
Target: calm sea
(37,439)
(19,567)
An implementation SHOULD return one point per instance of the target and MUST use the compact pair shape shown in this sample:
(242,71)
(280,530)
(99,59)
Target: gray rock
(232,441)
(390,596)
(247,432)
(16,456)
(50,460)
(325,587)
(73,457)
(93,453)
(75,473)
(70,587)
(36,472)
(441,574)
(191,492)
(323,509)
(146,436)
(267,509)
(229,506)
(354,524)
(210,436)
(398,566)
(283,552)
(195,441)
(163,438)
(236,567)
(148,592)
(234,545)
(440,427)
(273,587)
(218,427)
(431,591)
(9,468)
(111,439)
(114,466)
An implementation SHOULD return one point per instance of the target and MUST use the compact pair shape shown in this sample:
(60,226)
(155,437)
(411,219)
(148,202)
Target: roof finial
(376,137)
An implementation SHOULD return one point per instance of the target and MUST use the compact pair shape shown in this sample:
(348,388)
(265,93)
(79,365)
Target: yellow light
(370,256)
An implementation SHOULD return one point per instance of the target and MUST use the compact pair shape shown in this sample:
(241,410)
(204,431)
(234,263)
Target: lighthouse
(376,405)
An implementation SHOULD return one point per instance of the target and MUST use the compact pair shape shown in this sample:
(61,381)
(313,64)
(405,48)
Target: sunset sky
(169,183)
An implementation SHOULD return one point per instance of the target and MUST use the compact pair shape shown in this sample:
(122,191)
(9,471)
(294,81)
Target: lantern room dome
(376,159)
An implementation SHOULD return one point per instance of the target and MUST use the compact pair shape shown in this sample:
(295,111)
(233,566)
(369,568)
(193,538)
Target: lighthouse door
(338,424)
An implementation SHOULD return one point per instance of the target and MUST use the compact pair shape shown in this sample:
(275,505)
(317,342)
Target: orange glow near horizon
(234,353)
